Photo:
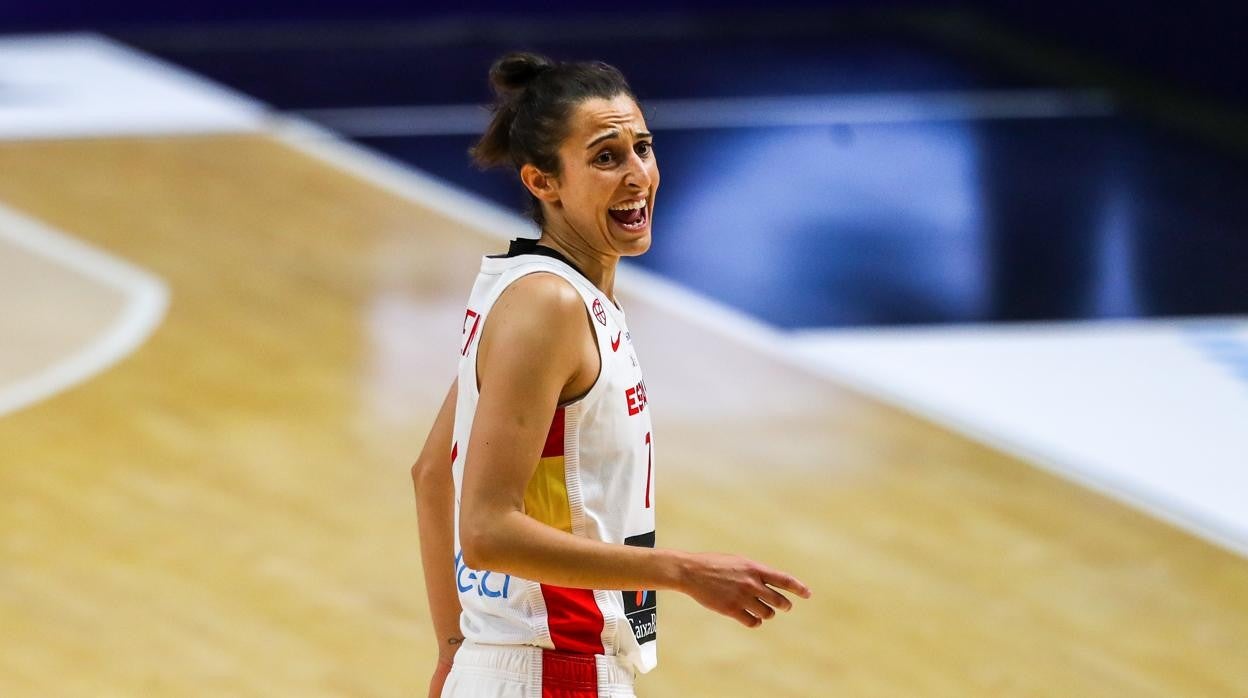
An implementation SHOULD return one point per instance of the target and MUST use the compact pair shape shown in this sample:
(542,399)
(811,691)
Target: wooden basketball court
(228,511)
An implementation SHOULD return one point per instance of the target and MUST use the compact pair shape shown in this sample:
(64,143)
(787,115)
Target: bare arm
(529,351)
(435,511)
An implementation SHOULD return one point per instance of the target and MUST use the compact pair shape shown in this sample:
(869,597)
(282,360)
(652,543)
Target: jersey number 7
(475,318)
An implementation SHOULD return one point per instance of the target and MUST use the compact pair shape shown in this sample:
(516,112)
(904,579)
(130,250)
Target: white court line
(996,384)
(749,112)
(147,300)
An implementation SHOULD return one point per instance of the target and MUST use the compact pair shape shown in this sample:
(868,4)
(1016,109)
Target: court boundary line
(1119,489)
(147,300)
(1116,489)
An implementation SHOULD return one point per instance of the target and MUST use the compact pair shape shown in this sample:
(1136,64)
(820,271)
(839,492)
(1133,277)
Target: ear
(545,187)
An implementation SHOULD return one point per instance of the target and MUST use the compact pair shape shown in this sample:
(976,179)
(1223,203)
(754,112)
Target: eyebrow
(615,134)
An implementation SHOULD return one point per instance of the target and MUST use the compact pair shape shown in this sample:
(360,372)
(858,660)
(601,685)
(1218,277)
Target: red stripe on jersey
(574,619)
(554,437)
(569,676)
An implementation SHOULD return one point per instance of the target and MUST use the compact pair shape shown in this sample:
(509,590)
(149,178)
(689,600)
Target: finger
(775,599)
(788,582)
(745,618)
(760,609)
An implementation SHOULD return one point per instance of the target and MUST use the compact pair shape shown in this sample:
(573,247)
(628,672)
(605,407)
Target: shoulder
(537,334)
(537,310)
(546,288)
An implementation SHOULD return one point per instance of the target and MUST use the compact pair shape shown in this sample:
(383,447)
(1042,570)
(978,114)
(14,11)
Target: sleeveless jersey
(595,479)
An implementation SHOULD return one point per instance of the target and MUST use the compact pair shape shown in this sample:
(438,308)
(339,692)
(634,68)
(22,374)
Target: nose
(636,175)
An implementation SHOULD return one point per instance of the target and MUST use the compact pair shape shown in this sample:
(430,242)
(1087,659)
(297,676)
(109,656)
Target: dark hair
(535,97)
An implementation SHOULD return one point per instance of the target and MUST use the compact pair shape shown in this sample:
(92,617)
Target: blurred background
(1025,223)
(911,163)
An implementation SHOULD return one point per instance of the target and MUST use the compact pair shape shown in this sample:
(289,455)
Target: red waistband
(569,671)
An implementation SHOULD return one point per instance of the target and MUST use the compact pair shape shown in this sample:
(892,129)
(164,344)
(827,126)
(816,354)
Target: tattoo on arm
(454,640)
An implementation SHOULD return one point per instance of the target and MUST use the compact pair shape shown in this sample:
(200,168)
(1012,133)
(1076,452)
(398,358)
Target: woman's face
(609,176)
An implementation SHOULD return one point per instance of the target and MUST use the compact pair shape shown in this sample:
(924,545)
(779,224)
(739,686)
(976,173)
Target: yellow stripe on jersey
(546,497)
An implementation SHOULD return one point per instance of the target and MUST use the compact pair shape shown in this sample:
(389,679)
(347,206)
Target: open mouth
(631,216)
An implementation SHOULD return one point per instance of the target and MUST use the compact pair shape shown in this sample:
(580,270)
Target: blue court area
(820,171)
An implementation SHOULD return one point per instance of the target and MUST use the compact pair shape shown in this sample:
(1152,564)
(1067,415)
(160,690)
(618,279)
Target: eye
(644,149)
(604,158)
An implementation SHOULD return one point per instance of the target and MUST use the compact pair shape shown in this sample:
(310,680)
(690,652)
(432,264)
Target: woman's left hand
(439,677)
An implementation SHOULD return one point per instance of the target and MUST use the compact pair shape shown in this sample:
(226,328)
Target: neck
(598,268)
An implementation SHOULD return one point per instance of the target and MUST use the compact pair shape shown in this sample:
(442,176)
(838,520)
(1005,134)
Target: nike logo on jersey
(615,343)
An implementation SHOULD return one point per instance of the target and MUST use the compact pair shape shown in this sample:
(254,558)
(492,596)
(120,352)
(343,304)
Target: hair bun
(514,71)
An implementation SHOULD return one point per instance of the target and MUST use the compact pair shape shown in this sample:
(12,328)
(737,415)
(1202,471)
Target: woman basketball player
(546,504)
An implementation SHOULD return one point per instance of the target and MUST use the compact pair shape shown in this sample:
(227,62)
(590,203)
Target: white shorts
(523,671)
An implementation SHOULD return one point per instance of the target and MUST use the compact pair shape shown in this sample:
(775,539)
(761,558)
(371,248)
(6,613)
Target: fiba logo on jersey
(599,312)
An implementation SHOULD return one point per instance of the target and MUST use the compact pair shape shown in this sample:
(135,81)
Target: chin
(636,246)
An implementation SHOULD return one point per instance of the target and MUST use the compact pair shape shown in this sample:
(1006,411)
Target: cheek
(594,193)
(583,190)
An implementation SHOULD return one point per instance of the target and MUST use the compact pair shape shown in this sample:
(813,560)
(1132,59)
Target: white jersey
(595,479)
